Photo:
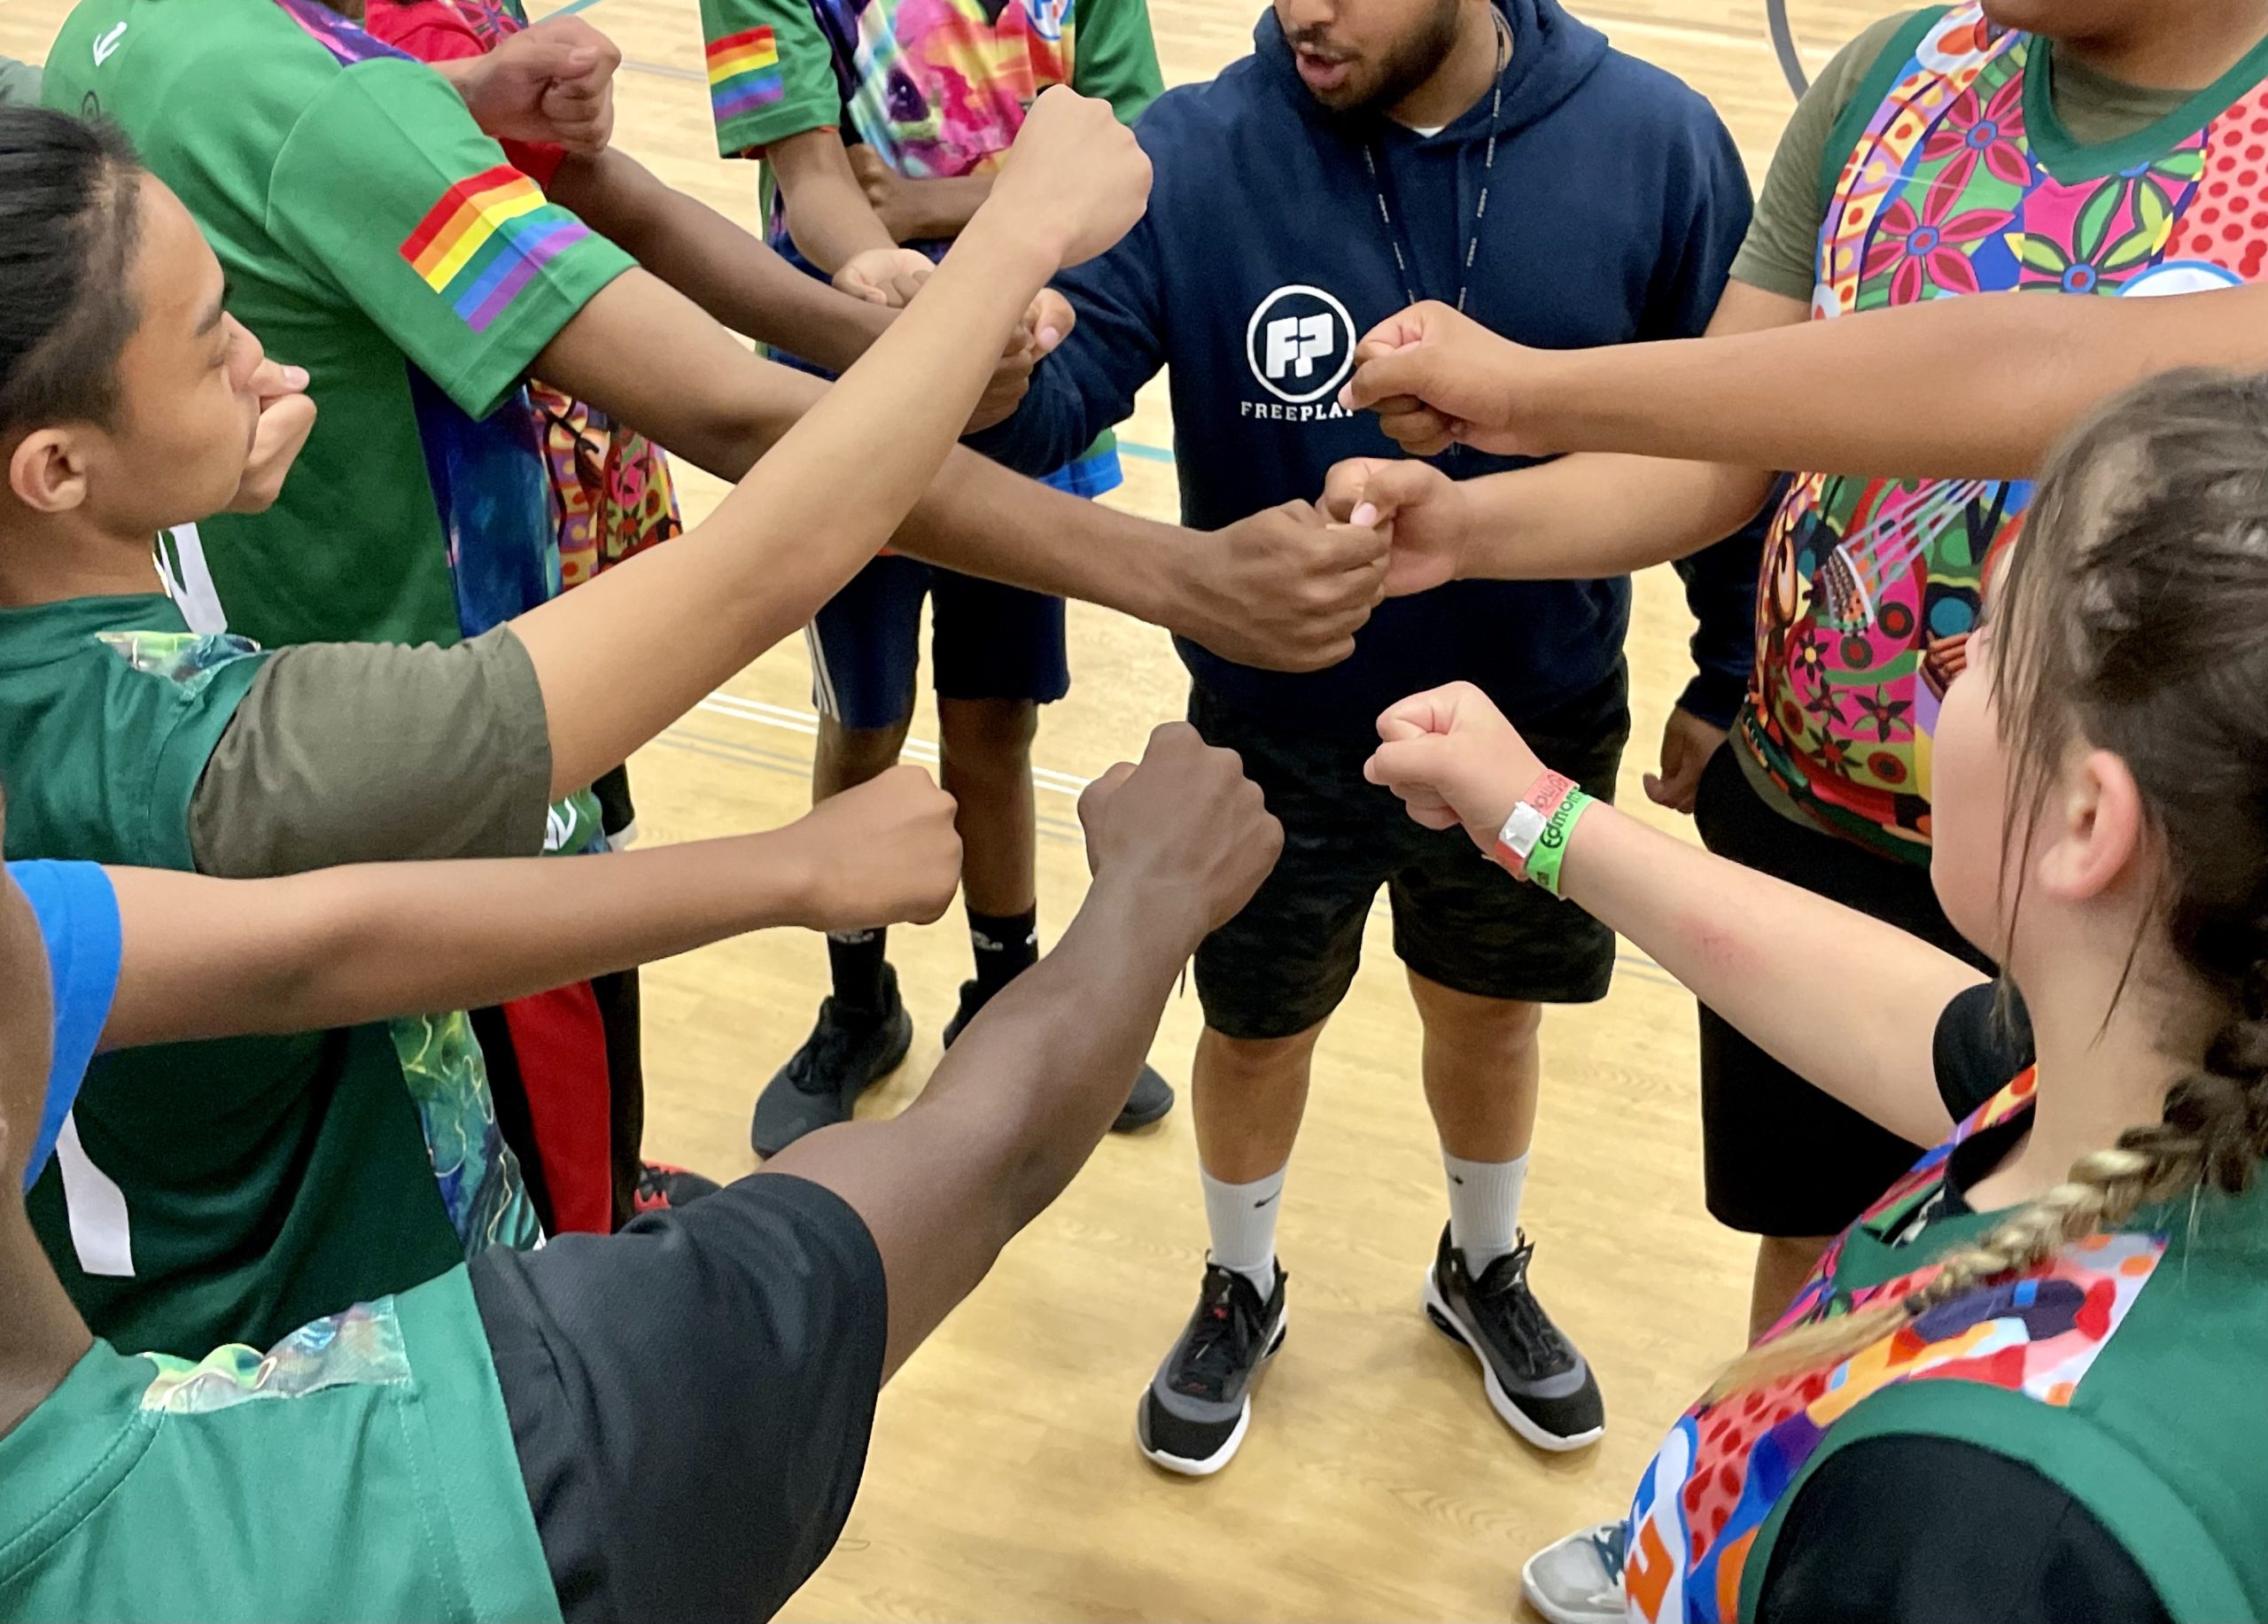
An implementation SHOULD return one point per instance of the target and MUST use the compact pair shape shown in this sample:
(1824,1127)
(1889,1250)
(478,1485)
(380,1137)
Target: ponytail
(2132,617)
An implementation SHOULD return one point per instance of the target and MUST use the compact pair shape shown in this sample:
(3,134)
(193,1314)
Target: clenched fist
(884,853)
(1187,829)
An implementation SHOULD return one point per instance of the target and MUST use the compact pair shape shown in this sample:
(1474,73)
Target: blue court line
(1147,454)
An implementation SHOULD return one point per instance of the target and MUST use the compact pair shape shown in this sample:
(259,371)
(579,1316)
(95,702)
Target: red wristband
(1516,841)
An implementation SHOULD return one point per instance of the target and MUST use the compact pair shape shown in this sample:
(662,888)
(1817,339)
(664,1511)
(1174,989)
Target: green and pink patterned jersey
(1952,175)
(2112,1369)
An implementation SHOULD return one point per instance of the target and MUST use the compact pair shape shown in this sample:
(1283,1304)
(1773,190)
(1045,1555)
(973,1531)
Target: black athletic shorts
(1284,964)
(691,1398)
(1780,1157)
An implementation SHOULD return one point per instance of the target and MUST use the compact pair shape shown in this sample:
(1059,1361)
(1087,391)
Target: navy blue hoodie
(1615,205)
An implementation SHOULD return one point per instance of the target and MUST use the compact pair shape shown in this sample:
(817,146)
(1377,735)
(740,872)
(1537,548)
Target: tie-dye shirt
(937,88)
(372,235)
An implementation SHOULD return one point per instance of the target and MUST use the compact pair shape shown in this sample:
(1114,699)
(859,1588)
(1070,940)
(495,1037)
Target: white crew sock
(1484,1208)
(1242,1219)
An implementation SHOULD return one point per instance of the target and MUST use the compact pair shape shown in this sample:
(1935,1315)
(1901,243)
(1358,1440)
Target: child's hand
(1044,326)
(884,853)
(287,416)
(1454,759)
(1076,178)
(1437,378)
(889,276)
(1421,508)
(553,81)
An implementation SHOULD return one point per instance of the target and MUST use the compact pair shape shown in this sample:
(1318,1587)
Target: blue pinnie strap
(77,911)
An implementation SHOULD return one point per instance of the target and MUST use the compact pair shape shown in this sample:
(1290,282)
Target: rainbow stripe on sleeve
(743,74)
(486,240)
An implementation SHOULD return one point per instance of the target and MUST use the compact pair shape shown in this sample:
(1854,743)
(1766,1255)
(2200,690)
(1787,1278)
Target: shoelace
(1221,1344)
(829,1052)
(1612,1541)
(1502,1288)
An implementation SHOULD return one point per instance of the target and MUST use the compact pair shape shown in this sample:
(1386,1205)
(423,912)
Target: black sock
(856,959)
(1005,945)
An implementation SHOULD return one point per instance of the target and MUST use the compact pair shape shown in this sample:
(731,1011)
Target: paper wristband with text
(1551,846)
(1516,839)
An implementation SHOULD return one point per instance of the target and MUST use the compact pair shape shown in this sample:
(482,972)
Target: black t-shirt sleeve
(1979,1048)
(1914,1528)
(691,1398)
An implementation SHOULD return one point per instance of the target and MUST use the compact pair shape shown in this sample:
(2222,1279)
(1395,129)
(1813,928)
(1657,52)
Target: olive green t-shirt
(1780,254)
(229,1191)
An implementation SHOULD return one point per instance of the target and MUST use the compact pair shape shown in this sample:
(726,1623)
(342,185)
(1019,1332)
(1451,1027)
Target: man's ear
(47,469)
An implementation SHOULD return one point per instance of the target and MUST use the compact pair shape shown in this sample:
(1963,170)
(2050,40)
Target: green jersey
(363,1468)
(225,1192)
(372,235)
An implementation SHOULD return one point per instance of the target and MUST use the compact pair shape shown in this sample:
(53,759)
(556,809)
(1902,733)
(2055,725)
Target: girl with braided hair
(2025,1384)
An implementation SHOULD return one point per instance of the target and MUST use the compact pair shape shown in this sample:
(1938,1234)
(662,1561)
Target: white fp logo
(1295,342)
(1300,343)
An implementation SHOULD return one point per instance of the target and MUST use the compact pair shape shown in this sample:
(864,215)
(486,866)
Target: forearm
(1012,1111)
(1977,387)
(828,215)
(1599,515)
(1041,1079)
(729,272)
(802,522)
(926,211)
(341,947)
(1751,947)
(721,409)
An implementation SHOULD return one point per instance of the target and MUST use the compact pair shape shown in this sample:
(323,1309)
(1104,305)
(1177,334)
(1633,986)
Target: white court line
(922,750)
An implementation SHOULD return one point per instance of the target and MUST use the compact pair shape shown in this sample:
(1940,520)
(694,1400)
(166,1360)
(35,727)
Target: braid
(2214,1133)
(2130,621)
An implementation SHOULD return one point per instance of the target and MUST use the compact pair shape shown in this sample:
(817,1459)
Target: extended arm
(728,273)
(1019,1102)
(209,957)
(803,520)
(1977,387)
(1259,593)
(1760,952)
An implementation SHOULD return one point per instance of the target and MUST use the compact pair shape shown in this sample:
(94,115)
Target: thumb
(1397,372)
(1392,486)
(1403,761)
(1344,485)
(1394,729)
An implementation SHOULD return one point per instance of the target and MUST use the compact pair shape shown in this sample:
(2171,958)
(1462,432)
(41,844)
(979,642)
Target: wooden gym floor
(1376,1483)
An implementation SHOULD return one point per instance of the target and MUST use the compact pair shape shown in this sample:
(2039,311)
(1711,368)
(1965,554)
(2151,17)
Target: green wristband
(1551,846)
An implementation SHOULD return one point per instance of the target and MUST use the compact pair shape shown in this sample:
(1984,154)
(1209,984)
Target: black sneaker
(1151,1098)
(841,1058)
(1536,1381)
(1194,1414)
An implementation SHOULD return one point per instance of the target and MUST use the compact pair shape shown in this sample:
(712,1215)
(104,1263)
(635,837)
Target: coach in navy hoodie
(1572,197)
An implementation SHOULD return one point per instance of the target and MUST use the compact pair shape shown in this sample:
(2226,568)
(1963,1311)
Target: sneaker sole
(1552,1612)
(1227,1452)
(892,1059)
(1513,1416)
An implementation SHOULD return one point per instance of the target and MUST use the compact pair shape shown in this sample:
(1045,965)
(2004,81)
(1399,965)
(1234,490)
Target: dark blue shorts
(990,641)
